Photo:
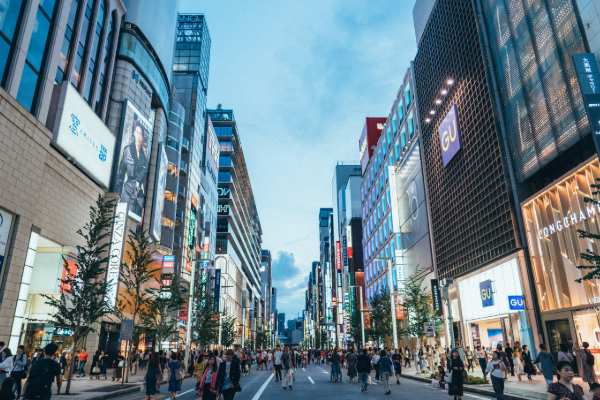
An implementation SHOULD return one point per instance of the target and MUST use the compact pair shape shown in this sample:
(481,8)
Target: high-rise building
(239,234)
(266,285)
(326,313)
(281,324)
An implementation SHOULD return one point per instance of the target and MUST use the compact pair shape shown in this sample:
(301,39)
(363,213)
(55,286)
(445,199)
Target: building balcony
(176,241)
(178,217)
(183,168)
(181,191)
(185,145)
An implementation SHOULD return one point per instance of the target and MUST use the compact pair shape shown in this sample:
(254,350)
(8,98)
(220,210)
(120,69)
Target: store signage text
(450,135)
(363,149)
(338,260)
(136,76)
(487,296)
(224,192)
(516,303)
(116,253)
(568,221)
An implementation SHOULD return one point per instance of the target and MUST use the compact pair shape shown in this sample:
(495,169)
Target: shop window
(36,55)
(101,91)
(9,21)
(172,169)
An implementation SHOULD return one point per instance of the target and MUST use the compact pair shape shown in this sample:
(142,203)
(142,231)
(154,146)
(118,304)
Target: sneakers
(362,388)
(290,387)
(388,392)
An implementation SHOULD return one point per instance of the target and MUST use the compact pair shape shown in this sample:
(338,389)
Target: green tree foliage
(83,300)
(381,317)
(228,331)
(205,328)
(355,329)
(418,309)
(262,340)
(592,259)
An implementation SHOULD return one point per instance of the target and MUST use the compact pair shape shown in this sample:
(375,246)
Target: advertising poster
(132,160)
(159,193)
(495,337)
(476,335)
(5,225)
(69,269)
(217,293)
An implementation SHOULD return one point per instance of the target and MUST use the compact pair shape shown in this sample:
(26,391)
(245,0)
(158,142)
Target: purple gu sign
(450,135)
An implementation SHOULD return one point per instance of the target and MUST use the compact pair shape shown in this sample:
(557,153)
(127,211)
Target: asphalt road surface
(311,383)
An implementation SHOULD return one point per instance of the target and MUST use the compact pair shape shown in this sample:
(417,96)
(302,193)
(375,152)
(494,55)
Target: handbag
(369,379)
(179,374)
(96,370)
(448,377)
(121,364)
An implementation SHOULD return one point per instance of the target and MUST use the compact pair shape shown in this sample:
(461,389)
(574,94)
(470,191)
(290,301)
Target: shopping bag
(448,377)
(435,383)
(369,379)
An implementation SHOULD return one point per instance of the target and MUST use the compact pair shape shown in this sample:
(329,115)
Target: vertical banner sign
(345,250)
(485,291)
(437,298)
(116,252)
(400,275)
(338,254)
(126,329)
(168,265)
(349,239)
(159,193)
(217,289)
(394,199)
(588,76)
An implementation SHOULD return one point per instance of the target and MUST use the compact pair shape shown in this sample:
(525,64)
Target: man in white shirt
(374,360)
(278,354)
(496,368)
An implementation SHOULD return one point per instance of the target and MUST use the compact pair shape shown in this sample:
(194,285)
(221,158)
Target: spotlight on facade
(450,81)
(428,120)
(432,112)
(438,101)
(444,92)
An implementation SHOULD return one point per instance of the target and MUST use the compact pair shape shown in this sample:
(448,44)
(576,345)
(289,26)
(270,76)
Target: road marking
(303,370)
(181,394)
(311,381)
(262,388)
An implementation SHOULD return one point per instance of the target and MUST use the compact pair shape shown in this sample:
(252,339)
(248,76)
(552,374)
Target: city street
(312,381)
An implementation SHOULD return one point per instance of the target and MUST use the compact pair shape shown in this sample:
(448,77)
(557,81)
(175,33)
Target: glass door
(559,332)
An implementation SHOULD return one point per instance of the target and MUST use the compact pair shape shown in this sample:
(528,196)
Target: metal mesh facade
(532,43)
(469,200)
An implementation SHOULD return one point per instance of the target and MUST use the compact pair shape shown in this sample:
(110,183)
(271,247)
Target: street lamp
(362,317)
(392,294)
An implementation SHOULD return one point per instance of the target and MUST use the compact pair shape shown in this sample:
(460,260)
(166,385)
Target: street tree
(592,267)
(228,331)
(355,329)
(82,301)
(418,310)
(205,322)
(381,317)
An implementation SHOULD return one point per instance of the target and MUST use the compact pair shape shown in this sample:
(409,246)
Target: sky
(301,77)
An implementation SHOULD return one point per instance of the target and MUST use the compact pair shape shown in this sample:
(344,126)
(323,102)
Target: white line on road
(311,381)
(181,394)
(303,370)
(262,388)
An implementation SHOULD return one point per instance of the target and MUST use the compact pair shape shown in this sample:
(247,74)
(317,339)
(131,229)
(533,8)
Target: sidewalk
(513,389)
(97,389)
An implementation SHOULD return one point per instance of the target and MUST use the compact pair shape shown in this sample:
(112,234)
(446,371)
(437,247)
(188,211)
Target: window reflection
(9,16)
(172,169)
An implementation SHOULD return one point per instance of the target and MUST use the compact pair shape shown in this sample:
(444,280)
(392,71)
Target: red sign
(338,252)
(194,201)
(216,317)
(183,312)
(70,268)
(188,266)
(399,308)
(370,135)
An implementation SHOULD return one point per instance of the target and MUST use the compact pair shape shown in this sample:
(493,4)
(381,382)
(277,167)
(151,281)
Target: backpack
(38,384)
(590,358)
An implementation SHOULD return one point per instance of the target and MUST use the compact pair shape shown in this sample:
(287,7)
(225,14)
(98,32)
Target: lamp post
(362,317)
(392,297)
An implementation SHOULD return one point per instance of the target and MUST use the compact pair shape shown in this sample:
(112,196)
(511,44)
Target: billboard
(81,136)
(370,135)
(212,150)
(132,160)
(116,252)
(159,193)
(450,135)
(6,220)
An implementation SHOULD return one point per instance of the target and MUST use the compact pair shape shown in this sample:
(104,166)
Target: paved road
(312,383)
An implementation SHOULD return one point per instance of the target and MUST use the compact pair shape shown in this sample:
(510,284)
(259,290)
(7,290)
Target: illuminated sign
(349,239)
(345,250)
(224,192)
(485,291)
(168,262)
(516,303)
(450,135)
(394,199)
(338,260)
(569,220)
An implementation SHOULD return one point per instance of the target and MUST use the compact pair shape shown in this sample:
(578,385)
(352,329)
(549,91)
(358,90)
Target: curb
(136,388)
(471,389)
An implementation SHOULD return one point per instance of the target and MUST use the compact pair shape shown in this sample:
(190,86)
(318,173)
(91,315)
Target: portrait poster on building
(159,193)
(6,220)
(132,160)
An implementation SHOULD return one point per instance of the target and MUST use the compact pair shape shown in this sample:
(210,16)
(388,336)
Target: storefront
(570,310)
(493,308)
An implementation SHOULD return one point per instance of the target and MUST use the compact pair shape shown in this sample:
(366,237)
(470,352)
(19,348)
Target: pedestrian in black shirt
(397,359)
(41,375)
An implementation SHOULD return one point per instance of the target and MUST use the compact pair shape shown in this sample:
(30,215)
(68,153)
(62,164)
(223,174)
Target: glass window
(10,12)
(76,77)
(384,148)
(393,251)
(403,138)
(400,111)
(36,55)
(100,94)
(397,150)
(385,229)
(407,96)
(389,135)
(224,176)
(394,123)
(225,161)
(226,146)
(65,49)
(411,126)
(172,169)
(95,53)
(173,143)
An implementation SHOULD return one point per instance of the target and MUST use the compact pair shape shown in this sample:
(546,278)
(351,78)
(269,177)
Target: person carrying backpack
(587,362)
(41,375)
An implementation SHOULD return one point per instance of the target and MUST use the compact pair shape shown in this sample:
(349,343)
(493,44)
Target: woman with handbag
(152,372)
(18,372)
(176,375)
(454,376)
(95,370)
(118,367)
(207,386)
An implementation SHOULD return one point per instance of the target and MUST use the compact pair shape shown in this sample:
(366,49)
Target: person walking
(407,356)
(509,358)
(469,357)
(518,362)
(103,364)
(503,358)
(436,356)
(118,366)
(565,388)
(135,362)
(496,370)
(363,367)
(38,385)
(588,373)
(174,383)
(416,359)
(352,372)
(456,365)
(545,359)
(151,373)
(278,354)
(95,367)
(385,368)
(83,357)
(335,361)
(228,377)
(287,368)
(528,368)
(397,360)
(376,367)
(208,380)
(482,358)
(18,372)
(6,363)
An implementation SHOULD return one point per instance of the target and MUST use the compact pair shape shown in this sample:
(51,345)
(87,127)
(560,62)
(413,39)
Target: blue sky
(301,76)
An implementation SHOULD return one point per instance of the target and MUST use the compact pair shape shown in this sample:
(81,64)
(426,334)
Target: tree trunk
(71,367)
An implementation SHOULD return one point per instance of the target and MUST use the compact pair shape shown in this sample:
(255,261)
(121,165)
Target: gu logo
(516,303)
(450,135)
(74,125)
(485,291)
